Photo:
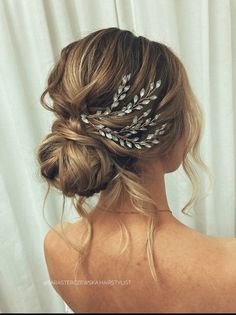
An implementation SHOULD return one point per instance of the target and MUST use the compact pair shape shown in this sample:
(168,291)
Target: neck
(153,181)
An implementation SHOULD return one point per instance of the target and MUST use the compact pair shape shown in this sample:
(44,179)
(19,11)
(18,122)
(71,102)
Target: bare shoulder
(60,250)
(62,236)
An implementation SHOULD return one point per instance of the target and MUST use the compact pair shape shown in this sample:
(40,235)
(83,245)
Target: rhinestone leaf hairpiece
(126,137)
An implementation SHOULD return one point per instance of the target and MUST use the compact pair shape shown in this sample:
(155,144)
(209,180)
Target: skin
(196,272)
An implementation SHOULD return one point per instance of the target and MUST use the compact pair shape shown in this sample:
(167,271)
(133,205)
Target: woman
(126,116)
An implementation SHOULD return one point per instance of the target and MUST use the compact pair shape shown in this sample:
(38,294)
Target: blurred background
(201,32)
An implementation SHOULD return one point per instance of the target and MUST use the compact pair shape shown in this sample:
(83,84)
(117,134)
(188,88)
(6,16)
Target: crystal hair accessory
(126,137)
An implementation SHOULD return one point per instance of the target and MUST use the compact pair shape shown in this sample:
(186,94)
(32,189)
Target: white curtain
(32,33)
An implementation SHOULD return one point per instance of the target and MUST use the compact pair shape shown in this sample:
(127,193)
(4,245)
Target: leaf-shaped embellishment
(127,111)
(147,112)
(161,132)
(115,97)
(100,126)
(128,76)
(157,131)
(147,121)
(129,144)
(85,120)
(145,102)
(152,124)
(102,133)
(122,96)
(135,139)
(155,141)
(158,83)
(126,88)
(133,131)
(143,128)
(130,105)
(150,136)
(147,145)
(163,126)
(107,129)
(138,146)
(135,98)
(128,134)
(152,85)
(122,142)
(153,97)
(124,79)
(139,107)
(142,92)
(115,138)
(109,136)
(98,112)
(135,119)
(156,117)
(115,104)
(120,88)
(107,111)
(121,114)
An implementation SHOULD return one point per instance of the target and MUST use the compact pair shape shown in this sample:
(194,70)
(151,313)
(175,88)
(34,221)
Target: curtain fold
(202,33)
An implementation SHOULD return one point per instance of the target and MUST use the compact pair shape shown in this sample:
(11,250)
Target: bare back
(195,273)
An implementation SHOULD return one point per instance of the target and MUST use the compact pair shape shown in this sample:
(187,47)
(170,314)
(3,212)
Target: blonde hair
(84,79)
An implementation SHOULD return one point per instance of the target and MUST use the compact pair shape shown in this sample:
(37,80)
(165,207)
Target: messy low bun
(73,162)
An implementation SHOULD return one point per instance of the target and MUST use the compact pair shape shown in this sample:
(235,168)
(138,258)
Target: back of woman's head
(74,157)
(79,159)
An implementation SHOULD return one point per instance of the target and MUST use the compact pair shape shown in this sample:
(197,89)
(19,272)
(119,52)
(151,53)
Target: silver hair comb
(123,136)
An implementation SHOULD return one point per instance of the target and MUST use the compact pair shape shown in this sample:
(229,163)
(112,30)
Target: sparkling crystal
(122,96)
(108,135)
(115,138)
(130,105)
(128,110)
(84,119)
(147,121)
(126,88)
(139,107)
(135,119)
(107,111)
(142,92)
(122,142)
(102,133)
(135,98)
(129,144)
(120,88)
(124,79)
(128,76)
(152,85)
(150,136)
(115,104)
(158,83)
(145,102)
(153,97)
(138,146)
